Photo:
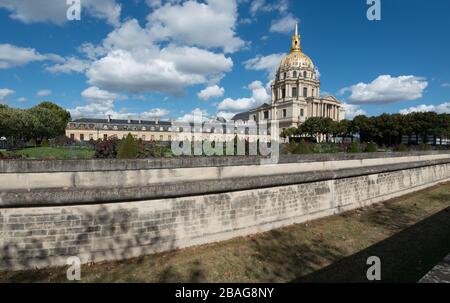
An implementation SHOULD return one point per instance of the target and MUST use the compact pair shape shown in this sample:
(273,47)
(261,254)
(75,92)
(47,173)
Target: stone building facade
(295,93)
(295,98)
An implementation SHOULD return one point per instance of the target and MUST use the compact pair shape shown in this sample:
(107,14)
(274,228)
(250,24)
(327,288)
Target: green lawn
(410,234)
(57,153)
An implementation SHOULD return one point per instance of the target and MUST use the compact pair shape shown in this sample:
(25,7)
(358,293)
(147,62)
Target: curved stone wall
(41,233)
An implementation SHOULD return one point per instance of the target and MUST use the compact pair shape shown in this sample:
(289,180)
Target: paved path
(439,274)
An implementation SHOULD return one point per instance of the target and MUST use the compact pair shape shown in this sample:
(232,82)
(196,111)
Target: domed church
(295,93)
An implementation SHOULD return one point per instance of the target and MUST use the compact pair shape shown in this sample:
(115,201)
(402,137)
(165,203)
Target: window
(302,112)
(105,137)
(161,128)
(169,138)
(105,126)
(284,113)
(283,93)
(294,92)
(152,138)
(313,92)
(143,128)
(266,114)
(295,74)
(72,137)
(81,137)
(284,75)
(254,117)
(91,137)
(161,138)
(73,125)
(143,137)
(304,74)
(305,92)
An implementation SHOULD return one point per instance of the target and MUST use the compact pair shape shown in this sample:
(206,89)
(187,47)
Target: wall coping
(37,166)
(102,195)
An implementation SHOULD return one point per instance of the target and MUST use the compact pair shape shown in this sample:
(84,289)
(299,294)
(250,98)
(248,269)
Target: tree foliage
(128,148)
(382,130)
(43,120)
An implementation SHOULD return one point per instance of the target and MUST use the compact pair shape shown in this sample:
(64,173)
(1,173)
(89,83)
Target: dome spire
(296,47)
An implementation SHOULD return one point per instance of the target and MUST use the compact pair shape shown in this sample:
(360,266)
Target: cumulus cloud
(197,114)
(43,93)
(5,92)
(387,89)
(352,110)
(11,56)
(259,96)
(268,63)
(443,108)
(268,6)
(210,24)
(134,63)
(55,11)
(211,92)
(284,25)
(101,104)
(70,65)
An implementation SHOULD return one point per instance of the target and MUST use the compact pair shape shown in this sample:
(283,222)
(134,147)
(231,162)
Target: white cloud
(70,65)
(443,108)
(198,114)
(268,63)
(22,99)
(352,110)
(11,56)
(285,24)
(446,85)
(210,24)
(226,115)
(387,89)
(211,92)
(101,104)
(154,113)
(268,6)
(259,96)
(6,92)
(55,11)
(95,94)
(135,64)
(43,93)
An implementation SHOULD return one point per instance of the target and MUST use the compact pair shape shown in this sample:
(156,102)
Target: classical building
(295,98)
(295,93)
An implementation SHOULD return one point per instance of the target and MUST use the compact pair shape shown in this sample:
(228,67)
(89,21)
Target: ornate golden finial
(296,47)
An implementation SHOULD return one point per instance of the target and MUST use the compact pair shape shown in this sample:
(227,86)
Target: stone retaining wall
(46,235)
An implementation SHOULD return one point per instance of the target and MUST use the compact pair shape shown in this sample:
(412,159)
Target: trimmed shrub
(371,147)
(303,148)
(424,147)
(353,148)
(31,142)
(128,148)
(44,142)
(401,148)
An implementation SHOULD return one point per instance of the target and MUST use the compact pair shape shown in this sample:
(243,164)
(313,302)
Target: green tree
(128,148)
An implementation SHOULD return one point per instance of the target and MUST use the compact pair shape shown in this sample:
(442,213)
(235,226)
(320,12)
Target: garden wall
(49,214)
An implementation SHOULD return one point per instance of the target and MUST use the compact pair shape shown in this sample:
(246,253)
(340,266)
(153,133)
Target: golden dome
(296,58)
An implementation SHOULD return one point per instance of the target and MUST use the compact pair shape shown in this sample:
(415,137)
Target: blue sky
(166,59)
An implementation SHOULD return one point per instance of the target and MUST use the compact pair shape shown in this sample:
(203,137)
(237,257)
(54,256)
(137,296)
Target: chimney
(109,118)
(129,119)
(156,120)
(140,121)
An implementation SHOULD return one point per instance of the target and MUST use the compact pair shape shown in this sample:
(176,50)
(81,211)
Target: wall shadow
(405,257)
